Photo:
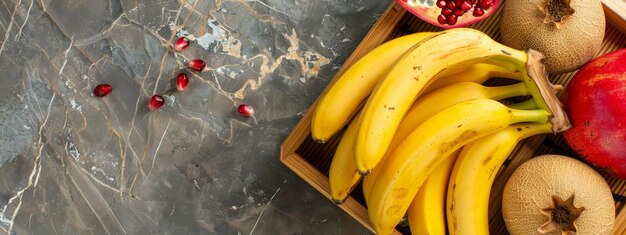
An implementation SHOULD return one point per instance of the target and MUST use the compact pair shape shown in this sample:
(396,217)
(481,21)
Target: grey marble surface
(72,163)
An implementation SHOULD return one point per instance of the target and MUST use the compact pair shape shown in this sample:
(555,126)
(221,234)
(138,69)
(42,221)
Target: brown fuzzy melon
(568,32)
(554,194)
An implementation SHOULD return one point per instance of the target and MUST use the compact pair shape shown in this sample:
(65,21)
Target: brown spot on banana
(446,146)
(492,172)
(399,193)
(454,220)
(490,156)
(393,210)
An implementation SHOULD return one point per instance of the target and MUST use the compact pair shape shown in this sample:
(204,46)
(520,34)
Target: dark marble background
(72,163)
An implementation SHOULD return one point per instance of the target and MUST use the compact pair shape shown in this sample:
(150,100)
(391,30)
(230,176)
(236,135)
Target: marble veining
(73,163)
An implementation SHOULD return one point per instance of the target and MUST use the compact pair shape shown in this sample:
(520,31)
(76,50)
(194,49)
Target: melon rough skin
(568,32)
(553,194)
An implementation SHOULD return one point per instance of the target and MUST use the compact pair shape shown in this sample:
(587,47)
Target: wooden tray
(311,160)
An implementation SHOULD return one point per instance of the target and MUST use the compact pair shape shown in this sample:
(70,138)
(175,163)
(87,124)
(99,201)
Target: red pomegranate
(451,13)
(595,101)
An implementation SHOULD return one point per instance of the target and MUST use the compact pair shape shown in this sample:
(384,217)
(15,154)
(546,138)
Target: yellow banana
(343,176)
(407,166)
(415,70)
(346,94)
(435,101)
(426,214)
(474,173)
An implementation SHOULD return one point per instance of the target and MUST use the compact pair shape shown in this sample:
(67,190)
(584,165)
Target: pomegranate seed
(441,3)
(197,65)
(181,44)
(478,11)
(156,102)
(245,110)
(451,20)
(182,81)
(450,5)
(466,5)
(446,12)
(458,3)
(486,4)
(474,1)
(441,19)
(102,90)
(458,12)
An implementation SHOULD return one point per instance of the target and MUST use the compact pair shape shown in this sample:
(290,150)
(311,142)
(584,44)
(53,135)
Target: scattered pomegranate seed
(182,81)
(441,19)
(197,65)
(486,4)
(181,44)
(102,90)
(441,3)
(458,12)
(446,11)
(156,102)
(452,20)
(478,11)
(245,110)
(466,5)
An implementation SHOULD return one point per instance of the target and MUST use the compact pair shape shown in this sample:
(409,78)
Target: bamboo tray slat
(311,160)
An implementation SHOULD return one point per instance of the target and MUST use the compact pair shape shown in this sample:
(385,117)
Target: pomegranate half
(449,14)
(595,101)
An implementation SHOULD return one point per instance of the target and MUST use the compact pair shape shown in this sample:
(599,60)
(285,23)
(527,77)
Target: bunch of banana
(344,176)
(430,134)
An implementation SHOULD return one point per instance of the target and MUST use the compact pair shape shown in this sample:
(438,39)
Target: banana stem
(503,92)
(542,91)
(536,115)
(527,104)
